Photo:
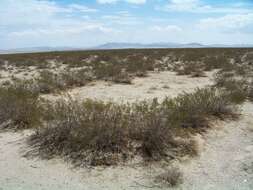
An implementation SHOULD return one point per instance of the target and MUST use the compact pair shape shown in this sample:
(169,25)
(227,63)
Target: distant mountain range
(152,45)
(36,49)
(115,45)
(164,45)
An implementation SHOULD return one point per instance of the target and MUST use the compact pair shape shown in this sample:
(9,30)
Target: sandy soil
(227,161)
(157,85)
(224,164)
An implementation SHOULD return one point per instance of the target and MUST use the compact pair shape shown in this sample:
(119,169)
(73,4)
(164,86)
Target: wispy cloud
(168,28)
(88,23)
(40,21)
(227,23)
(115,1)
(121,18)
(198,6)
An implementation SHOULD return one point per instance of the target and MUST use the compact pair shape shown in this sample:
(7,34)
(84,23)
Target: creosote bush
(237,88)
(99,133)
(49,82)
(84,131)
(20,105)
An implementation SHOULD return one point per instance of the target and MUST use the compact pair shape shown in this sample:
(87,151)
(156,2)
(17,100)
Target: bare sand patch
(156,85)
(228,154)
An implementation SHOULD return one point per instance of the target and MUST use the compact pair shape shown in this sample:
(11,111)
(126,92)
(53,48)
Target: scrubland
(117,107)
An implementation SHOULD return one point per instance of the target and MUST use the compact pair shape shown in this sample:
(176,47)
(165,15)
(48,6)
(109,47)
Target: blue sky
(86,23)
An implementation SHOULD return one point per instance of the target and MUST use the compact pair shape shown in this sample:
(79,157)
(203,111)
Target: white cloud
(81,8)
(198,6)
(115,1)
(40,22)
(121,18)
(168,28)
(60,31)
(48,23)
(183,5)
(228,23)
(33,12)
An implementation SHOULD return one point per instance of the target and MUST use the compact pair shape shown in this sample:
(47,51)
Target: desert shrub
(76,78)
(182,71)
(172,177)
(100,133)
(198,73)
(188,68)
(216,62)
(84,131)
(141,74)
(49,82)
(137,64)
(247,166)
(6,83)
(114,72)
(19,105)
(151,129)
(122,77)
(192,109)
(106,71)
(237,89)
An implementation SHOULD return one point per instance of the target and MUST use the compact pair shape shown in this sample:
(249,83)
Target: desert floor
(226,151)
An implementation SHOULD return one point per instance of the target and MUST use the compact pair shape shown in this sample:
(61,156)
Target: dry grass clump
(98,133)
(20,106)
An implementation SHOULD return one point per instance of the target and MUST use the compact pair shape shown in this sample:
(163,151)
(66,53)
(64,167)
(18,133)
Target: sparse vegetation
(19,106)
(50,82)
(105,133)
(238,87)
